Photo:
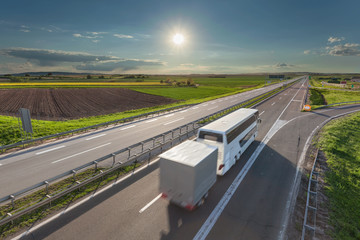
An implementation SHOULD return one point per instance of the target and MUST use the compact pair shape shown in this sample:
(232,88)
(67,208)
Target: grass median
(340,142)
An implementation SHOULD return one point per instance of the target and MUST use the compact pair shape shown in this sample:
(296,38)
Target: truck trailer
(187,172)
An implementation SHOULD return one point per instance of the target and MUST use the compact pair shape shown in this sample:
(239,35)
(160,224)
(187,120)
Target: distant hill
(53,73)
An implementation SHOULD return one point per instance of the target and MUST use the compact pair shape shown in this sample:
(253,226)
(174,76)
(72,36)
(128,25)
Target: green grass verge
(316,97)
(28,219)
(333,96)
(10,132)
(340,142)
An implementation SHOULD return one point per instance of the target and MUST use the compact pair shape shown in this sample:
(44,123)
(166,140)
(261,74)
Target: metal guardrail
(306,226)
(123,120)
(334,104)
(311,197)
(129,156)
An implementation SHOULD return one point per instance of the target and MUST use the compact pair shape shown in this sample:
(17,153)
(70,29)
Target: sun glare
(178,39)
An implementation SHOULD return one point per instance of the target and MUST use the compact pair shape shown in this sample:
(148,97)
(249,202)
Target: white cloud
(335,39)
(123,36)
(93,36)
(347,49)
(307,52)
(24,28)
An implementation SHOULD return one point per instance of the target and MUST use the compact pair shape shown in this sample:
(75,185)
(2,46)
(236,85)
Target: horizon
(187,37)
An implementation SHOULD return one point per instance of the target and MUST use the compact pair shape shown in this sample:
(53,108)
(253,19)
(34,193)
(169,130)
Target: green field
(331,97)
(340,142)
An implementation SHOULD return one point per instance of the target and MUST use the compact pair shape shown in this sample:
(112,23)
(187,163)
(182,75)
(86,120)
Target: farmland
(64,103)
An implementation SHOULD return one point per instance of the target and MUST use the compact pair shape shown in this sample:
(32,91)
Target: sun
(178,39)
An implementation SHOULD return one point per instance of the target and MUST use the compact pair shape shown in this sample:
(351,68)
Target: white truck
(187,172)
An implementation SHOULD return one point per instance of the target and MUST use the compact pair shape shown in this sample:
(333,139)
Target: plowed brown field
(72,103)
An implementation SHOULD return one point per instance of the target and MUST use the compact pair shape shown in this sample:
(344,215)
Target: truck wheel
(201,202)
(206,195)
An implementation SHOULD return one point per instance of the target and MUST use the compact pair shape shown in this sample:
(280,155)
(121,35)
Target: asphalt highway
(23,169)
(252,201)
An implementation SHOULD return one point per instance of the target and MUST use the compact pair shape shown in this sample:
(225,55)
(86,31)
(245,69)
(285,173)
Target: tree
(88,77)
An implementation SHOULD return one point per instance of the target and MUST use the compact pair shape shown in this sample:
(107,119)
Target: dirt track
(72,103)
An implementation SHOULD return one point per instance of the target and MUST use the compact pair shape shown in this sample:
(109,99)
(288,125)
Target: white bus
(232,134)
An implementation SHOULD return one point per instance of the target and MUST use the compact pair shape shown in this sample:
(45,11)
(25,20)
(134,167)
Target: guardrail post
(153,142)
(134,164)
(96,164)
(180,130)
(74,175)
(46,187)
(164,138)
(172,134)
(129,152)
(149,149)
(113,155)
(12,200)
(142,146)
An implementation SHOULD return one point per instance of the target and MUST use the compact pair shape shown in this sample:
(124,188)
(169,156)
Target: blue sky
(230,36)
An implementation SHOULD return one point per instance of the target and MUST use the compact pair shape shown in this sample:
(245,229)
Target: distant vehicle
(187,172)
(232,134)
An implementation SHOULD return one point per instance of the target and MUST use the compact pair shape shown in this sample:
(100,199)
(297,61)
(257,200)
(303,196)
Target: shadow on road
(255,210)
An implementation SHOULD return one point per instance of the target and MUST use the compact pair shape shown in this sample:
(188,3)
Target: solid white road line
(150,203)
(77,154)
(215,214)
(195,107)
(121,129)
(213,108)
(0,164)
(183,111)
(151,120)
(205,105)
(95,137)
(49,150)
(170,115)
(173,121)
(261,113)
